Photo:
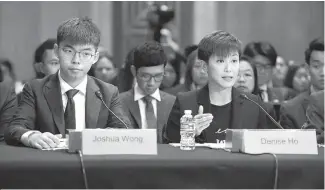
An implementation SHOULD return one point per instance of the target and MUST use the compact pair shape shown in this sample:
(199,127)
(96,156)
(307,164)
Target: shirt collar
(138,94)
(66,87)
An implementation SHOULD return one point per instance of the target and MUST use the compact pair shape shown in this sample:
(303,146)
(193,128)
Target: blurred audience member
(8,104)
(279,72)
(104,69)
(315,115)
(247,80)
(126,78)
(172,75)
(264,57)
(45,60)
(9,76)
(296,80)
(293,112)
(196,75)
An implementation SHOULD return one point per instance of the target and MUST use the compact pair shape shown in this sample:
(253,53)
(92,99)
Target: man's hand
(43,140)
(202,121)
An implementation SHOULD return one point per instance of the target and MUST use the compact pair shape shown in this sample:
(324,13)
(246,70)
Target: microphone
(276,123)
(100,96)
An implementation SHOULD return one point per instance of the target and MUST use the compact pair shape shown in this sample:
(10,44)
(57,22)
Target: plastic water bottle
(187,131)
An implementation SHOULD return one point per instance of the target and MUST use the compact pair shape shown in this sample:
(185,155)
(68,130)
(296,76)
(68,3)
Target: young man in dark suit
(69,99)
(146,106)
(293,112)
(217,106)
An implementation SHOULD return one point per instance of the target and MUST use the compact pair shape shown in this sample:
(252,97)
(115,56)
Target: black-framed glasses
(84,55)
(147,77)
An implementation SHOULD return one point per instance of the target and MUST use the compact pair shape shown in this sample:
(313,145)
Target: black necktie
(69,114)
(150,114)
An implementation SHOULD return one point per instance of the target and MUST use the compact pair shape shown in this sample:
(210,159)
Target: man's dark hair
(315,45)
(79,31)
(39,53)
(219,43)
(149,54)
(261,48)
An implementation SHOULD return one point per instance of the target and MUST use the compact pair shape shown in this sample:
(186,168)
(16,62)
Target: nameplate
(119,141)
(277,141)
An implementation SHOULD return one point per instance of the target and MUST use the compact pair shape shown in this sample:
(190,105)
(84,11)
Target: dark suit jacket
(8,104)
(131,108)
(244,114)
(41,108)
(315,115)
(293,112)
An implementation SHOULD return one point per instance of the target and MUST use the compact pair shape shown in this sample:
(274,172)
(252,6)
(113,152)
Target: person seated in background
(125,77)
(146,105)
(196,75)
(247,81)
(293,112)
(68,99)
(104,69)
(172,75)
(45,61)
(217,106)
(264,56)
(296,81)
(8,104)
(279,72)
(9,76)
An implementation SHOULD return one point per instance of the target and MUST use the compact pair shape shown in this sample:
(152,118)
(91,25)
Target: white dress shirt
(79,101)
(138,95)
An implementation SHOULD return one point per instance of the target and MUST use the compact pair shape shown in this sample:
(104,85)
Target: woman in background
(196,75)
(126,79)
(297,80)
(105,69)
(247,80)
(172,75)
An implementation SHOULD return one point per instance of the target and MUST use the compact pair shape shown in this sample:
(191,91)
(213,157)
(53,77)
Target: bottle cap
(188,112)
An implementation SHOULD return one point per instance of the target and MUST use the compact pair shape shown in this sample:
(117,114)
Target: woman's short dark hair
(103,54)
(265,49)
(219,43)
(256,89)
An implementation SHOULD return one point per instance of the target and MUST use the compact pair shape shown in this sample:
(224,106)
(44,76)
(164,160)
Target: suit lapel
(52,93)
(134,108)
(93,104)
(236,109)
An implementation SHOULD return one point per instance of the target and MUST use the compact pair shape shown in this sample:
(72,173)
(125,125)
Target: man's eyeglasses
(147,77)
(83,55)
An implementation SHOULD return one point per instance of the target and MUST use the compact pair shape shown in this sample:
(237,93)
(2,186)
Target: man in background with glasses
(146,106)
(68,99)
